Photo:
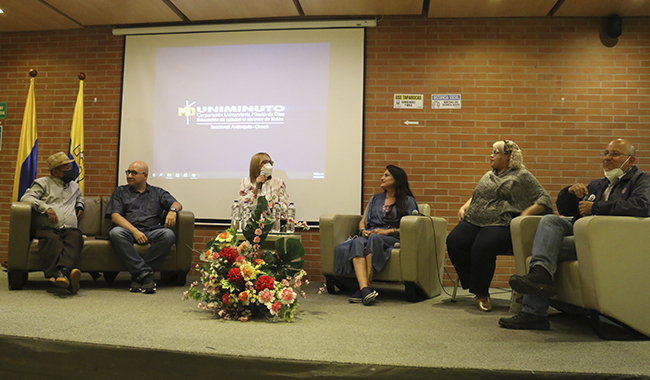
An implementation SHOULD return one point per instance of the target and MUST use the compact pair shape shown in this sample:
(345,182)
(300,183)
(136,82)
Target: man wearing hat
(57,204)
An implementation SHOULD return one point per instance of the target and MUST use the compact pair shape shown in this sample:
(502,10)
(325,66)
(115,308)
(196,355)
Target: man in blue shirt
(136,211)
(625,191)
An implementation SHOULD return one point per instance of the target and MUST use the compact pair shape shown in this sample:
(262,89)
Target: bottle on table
(291,215)
(235,214)
(246,214)
(277,217)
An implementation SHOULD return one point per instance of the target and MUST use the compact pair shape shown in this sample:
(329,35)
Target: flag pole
(76,147)
(27,157)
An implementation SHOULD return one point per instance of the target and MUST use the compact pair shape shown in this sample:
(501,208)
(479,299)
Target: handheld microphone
(265,174)
(589,198)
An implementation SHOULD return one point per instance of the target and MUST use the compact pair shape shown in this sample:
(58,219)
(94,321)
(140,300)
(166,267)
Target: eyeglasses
(613,154)
(133,172)
(267,162)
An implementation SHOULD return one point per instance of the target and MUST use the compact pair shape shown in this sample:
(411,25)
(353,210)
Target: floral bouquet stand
(240,281)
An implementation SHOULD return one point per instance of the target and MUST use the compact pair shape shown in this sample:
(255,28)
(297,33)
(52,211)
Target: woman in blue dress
(379,231)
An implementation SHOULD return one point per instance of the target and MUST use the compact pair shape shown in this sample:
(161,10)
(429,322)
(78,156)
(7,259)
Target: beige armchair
(611,274)
(97,254)
(418,262)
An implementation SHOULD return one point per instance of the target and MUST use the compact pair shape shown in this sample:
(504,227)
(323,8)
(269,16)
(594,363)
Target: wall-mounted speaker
(614,26)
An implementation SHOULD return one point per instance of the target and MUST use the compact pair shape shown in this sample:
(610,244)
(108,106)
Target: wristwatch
(173,209)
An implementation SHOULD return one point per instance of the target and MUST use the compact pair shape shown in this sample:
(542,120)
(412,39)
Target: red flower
(229,254)
(225,298)
(264,282)
(234,275)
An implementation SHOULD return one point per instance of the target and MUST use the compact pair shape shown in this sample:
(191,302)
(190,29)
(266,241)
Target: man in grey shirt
(57,204)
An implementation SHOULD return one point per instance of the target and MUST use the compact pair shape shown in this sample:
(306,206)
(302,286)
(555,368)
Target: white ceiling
(32,15)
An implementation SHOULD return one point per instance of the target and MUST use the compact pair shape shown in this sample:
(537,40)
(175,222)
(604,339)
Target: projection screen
(197,106)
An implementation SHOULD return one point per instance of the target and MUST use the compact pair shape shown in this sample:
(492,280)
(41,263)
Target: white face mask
(267,170)
(615,174)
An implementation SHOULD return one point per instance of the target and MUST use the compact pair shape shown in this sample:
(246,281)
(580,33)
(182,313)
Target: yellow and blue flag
(27,148)
(76,147)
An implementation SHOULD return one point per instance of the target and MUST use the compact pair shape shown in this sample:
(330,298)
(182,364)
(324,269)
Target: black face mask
(68,175)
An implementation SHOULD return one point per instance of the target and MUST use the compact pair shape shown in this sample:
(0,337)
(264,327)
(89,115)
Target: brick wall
(554,86)
(551,85)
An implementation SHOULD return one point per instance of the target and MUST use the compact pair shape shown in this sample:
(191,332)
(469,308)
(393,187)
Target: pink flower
(244,246)
(256,239)
(258,232)
(240,259)
(256,247)
(287,296)
(266,296)
(275,307)
(285,283)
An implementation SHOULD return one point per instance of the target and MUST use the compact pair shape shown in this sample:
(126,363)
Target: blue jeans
(553,243)
(122,241)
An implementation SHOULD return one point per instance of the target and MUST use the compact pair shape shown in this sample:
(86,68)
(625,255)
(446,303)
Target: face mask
(615,174)
(68,175)
(267,169)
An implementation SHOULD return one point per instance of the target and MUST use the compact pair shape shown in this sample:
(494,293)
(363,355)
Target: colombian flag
(28,148)
(76,147)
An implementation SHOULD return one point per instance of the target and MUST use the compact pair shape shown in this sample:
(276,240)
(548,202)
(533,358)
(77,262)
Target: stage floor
(329,335)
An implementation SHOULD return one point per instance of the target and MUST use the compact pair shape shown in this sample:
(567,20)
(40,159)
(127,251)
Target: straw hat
(56,160)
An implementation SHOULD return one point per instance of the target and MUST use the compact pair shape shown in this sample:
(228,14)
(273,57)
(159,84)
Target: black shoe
(148,285)
(525,321)
(356,297)
(135,286)
(368,295)
(538,282)
(75,277)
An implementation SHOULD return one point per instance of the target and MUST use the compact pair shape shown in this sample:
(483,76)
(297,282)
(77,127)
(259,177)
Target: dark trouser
(473,250)
(59,248)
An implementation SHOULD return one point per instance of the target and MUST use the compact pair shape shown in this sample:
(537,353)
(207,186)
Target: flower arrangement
(239,281)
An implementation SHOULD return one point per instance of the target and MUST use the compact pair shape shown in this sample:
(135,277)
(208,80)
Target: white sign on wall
(448,101)
(412,101)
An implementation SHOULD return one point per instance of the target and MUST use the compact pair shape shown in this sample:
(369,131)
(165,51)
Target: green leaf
(289,249)
(287,260)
